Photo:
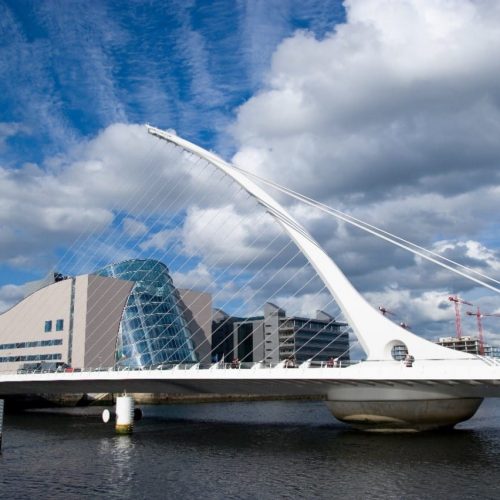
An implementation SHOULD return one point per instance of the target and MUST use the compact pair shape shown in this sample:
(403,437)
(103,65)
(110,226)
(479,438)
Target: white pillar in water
(124,414)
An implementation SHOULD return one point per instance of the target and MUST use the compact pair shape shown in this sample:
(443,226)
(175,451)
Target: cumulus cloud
(400,99)
(9,295)
(225,235)
(393,117)
(161,239)
(307,304)
(133,227)
(74,199)
(199,278)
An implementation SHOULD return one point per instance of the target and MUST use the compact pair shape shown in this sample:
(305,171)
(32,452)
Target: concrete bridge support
(124,414)
(404,416)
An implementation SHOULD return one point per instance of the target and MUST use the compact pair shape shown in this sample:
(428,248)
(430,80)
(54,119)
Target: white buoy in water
(106,416)
(124,414)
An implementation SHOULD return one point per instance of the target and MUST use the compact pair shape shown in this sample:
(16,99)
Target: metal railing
(237,365)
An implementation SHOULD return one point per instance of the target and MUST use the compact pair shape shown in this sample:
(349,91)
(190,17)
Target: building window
(36,343)
(59,325)
(31,357)
(48,326)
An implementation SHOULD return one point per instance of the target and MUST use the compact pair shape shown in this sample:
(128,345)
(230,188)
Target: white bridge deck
(384,380)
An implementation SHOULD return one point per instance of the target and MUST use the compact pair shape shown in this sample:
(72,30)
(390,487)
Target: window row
(38,343)
(31,357)
(59,326)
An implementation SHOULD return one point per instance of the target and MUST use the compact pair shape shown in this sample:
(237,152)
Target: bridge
(370,394)
(439,388)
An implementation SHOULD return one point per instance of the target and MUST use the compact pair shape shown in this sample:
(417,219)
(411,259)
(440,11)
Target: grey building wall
(197,310)
(87,308)
(106,300)
(272,316)
(24,324)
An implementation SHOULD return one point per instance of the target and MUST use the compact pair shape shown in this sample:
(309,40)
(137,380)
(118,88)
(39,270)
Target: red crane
(458,321)
(478,314)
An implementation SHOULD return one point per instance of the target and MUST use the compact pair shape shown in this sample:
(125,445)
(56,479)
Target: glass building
(153,329)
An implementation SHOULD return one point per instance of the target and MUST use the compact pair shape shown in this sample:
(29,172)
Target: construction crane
(479,315)
(458,321)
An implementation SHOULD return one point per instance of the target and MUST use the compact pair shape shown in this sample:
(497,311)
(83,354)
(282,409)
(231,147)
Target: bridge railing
(488,361)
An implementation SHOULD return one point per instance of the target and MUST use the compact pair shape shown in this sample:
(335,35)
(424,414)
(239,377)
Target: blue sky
(71,68)
(388,110)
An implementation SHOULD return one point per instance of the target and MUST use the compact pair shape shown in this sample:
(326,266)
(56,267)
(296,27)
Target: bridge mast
(376,334)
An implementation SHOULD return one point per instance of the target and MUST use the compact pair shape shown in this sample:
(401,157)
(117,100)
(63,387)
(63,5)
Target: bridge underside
(334,384)
(375,404)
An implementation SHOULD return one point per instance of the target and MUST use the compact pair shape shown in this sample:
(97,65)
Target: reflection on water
(118,453)
(246,450)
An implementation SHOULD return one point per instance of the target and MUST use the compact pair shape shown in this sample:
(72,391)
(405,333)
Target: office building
(276,337)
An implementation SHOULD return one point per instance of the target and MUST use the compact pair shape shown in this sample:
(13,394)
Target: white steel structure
(376,334)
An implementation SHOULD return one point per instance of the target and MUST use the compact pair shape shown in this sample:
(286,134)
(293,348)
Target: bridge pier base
(404,416)
(124,414)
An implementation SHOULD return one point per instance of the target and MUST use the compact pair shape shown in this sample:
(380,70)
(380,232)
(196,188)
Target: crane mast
(479,315)
(458,320)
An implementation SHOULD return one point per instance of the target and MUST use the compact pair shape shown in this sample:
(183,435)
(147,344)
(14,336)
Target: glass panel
(153,329)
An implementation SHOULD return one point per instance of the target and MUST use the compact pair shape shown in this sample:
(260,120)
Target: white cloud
(199,278)
(133,227)
(402,96)
(72,199)
(307,304)
(393,117)
(10,295)
(160,240)
(224,235)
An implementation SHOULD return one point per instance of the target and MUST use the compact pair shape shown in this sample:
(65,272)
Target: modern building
(222,335)
(125,315)
(492,350)
(276,337)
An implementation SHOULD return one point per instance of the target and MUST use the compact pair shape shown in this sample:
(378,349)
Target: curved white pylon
(376,334)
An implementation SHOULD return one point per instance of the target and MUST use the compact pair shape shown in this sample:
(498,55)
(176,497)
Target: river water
(263,450)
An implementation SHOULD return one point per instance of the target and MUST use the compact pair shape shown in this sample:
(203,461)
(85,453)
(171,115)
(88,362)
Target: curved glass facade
(152,330)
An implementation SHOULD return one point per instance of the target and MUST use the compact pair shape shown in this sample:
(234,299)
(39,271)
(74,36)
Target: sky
(388,110)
